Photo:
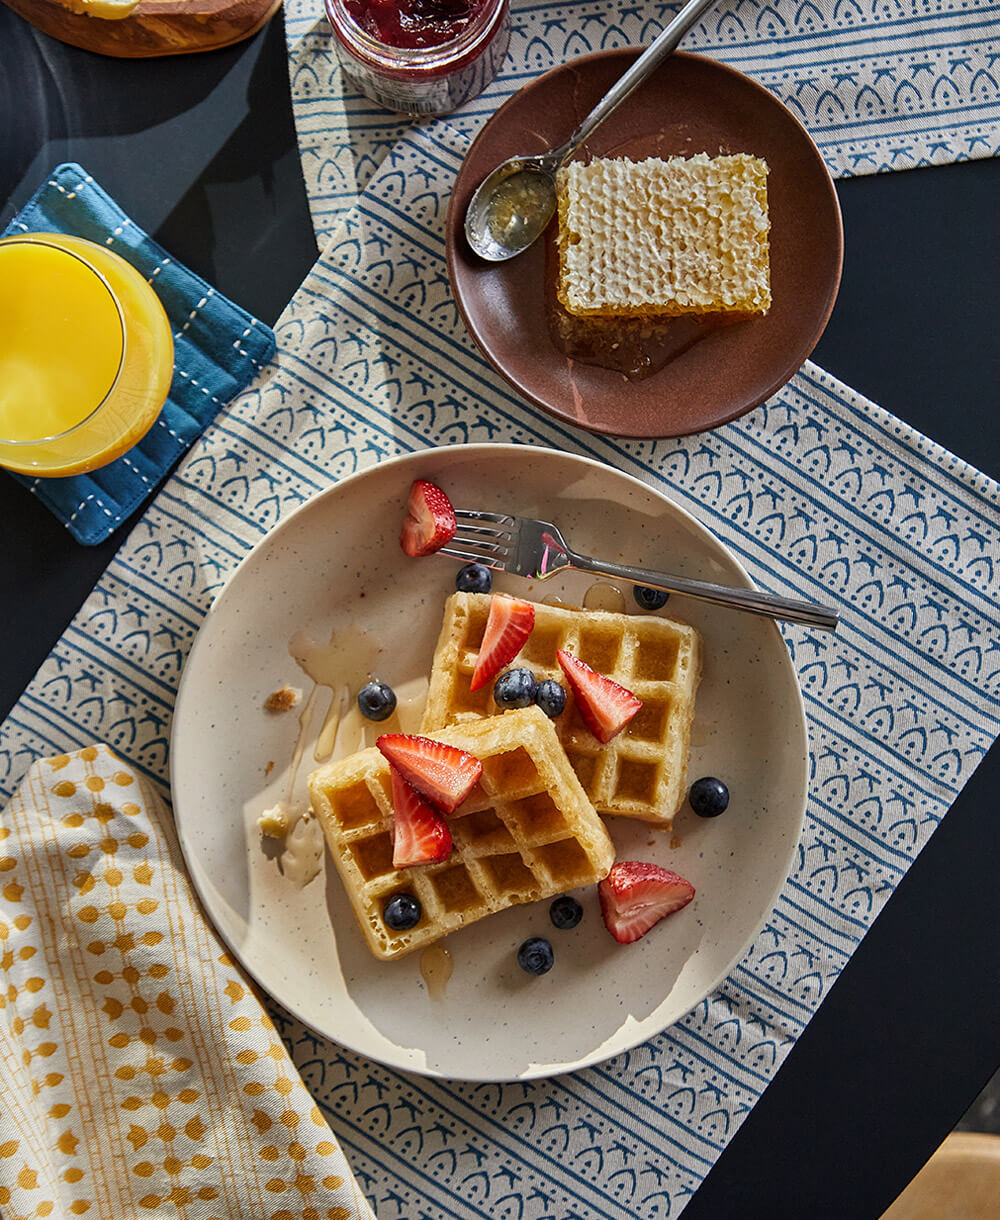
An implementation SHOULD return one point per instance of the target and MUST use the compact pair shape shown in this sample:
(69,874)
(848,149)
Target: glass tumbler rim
(40,239)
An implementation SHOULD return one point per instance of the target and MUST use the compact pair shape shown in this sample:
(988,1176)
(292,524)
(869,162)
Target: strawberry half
(509,624)
(605,706)
(419,833)
(635,896)
(430,520)
(443,774)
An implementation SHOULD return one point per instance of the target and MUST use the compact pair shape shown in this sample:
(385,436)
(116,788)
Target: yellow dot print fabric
(139,1074)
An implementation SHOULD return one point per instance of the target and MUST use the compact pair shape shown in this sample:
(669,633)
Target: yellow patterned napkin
(140,1075)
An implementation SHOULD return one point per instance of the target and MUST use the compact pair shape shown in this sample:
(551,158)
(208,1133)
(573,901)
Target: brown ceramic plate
(690,105)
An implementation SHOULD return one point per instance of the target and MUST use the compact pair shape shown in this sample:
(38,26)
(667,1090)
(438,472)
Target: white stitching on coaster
(132,466)
(76,189)
(157,270)
(238,344)
(117,231)
(194,312)
(161,424)
(195,382)
(97,499)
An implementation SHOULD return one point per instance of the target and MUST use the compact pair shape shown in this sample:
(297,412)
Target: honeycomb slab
(664,238)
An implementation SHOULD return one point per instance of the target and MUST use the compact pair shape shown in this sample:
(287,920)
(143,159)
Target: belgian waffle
(641,772)
(526,832)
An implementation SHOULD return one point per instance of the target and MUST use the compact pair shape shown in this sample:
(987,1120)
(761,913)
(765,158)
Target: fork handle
(769,605)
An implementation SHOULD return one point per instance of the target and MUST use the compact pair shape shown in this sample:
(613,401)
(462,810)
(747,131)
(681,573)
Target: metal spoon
(514,203)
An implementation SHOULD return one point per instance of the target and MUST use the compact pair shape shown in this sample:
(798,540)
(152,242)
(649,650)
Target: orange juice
(86,355)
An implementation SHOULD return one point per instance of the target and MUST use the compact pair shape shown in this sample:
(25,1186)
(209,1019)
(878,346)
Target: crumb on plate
(282,700)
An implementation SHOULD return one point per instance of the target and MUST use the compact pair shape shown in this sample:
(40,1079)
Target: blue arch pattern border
(880,85)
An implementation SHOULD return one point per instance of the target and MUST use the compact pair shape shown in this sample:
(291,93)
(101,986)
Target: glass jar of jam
(420,56)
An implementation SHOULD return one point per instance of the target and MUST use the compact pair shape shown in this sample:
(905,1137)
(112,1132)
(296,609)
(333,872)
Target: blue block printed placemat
(819,492)
(880,84)
(218,349)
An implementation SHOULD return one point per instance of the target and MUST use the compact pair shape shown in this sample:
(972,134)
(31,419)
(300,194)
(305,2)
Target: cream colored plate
(335,568)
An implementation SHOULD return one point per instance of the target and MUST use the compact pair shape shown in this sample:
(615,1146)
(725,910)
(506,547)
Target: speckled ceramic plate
(335,567)
(691,104)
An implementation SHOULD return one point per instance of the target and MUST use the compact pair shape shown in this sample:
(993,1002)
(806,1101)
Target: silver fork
(523,546)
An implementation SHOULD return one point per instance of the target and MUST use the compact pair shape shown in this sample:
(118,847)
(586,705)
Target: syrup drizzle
(341,666)
(342,662)
(301,854)
(436,965)
(602,596)
(302,857)
(327,739)
(305,723)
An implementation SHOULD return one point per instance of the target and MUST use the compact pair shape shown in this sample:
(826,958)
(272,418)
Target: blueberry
(535,955)
(708,796)
(402,912)
(376,701)
(565,912)
(649,599)
(515,688)
(550,697)
(474,578)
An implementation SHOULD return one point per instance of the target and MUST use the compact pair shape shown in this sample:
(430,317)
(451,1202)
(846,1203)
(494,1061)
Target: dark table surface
(201,151)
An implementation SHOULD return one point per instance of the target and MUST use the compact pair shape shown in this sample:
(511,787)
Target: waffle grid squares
(641,773)
(526,832)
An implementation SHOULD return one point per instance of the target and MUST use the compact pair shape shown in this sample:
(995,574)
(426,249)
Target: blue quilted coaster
(218,349)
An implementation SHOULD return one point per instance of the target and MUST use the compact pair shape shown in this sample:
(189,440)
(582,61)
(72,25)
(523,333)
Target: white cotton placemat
(879,86)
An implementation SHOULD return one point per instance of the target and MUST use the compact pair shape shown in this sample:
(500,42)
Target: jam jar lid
(437,59)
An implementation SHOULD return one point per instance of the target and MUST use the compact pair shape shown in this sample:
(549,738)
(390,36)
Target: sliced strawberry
(430,520)
(420,834)
(635,896)
(443,774)
(509,624)
(605,706)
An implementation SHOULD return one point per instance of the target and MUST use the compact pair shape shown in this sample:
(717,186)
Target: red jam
(420,56)
(413,23)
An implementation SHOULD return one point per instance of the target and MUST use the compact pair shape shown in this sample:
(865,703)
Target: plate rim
(189,855)
(454,236)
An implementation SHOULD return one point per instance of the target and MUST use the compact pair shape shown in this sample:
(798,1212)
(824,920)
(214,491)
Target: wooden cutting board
(155,27)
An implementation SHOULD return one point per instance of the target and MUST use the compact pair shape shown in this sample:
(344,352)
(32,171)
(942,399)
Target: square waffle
(641,772)
(527,831)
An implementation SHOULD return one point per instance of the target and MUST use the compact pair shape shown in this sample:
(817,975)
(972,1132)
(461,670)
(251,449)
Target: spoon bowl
(511,207)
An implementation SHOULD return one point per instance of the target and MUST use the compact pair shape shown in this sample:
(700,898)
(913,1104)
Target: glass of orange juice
(86,355)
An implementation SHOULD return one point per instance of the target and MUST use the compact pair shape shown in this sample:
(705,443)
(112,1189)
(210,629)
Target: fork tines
(487,523)
(481,538)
